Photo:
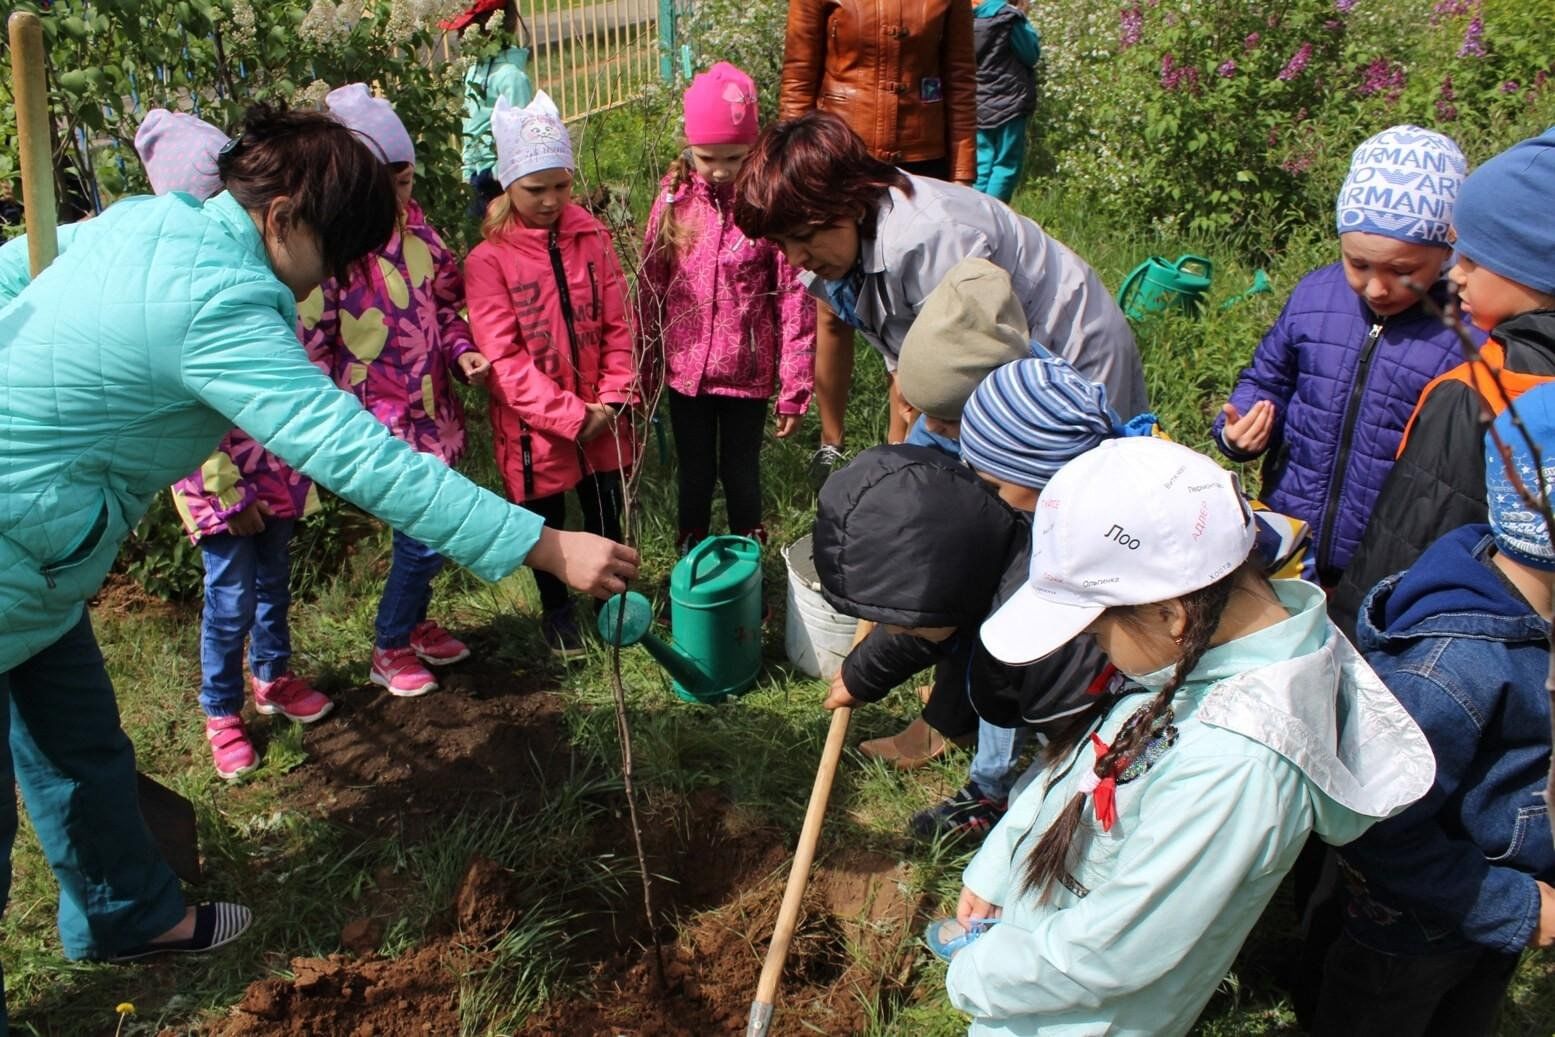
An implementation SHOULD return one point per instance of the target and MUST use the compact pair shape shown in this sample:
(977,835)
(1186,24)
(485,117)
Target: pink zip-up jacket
(728,315)
(392,336)
(542,376)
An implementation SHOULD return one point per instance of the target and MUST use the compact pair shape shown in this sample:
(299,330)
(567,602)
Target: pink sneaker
(436,646)
(291,697)
(399,670)
(233,752)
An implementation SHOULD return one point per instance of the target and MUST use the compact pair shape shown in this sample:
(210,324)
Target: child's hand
(787,425)
(250,521)
(1250,434)
(597,421)
(971,909)
(1544,932)
(475,366)
(838,696)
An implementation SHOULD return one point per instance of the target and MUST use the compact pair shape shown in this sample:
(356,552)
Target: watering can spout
(625,619)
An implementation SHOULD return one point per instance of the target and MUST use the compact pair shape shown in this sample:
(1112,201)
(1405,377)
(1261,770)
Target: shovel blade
(170,819)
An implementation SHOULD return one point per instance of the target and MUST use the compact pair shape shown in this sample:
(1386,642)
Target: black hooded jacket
(1438,483)
(910,537)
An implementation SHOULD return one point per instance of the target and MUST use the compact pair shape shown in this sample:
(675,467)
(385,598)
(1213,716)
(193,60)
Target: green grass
(307,876)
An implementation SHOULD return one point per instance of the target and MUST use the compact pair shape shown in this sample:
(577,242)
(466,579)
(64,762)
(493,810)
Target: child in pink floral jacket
(726,316)
(241,507)
(393,337)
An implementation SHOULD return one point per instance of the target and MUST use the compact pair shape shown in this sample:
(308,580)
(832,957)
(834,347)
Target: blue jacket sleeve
(1271,376)
(1025,44)
(1412,859)
(242,358)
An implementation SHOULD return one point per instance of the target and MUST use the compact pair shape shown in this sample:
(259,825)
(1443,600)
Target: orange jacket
(903,75)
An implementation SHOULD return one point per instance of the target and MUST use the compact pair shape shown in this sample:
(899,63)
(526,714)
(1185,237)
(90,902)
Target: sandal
(216,923)
(946,936)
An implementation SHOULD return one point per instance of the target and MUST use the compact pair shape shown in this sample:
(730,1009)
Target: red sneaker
(436,646)
(399,670)
(230,748)
(291,697)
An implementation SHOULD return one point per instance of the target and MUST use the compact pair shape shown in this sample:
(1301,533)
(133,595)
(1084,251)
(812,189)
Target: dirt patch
(410,996)
(848,951)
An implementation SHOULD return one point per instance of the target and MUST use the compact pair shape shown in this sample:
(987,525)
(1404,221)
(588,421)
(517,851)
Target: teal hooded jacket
(124,363)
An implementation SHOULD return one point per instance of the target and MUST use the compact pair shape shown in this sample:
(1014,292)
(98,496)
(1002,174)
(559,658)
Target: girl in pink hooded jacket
(725,316)
(392,336)
(547,304)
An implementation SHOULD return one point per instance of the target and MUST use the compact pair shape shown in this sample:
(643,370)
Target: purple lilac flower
(1226,69)
(1333,25)
(1448,9)
(1251,41)
(1382,77)
(1509,87)
(1297,63)
(1473,39)
(1131,27)
(1298,164)
(1343,6)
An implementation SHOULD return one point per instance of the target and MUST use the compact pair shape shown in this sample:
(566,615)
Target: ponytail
(1050,860)
(499,217)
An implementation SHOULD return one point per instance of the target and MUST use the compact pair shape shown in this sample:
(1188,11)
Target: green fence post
(667,40)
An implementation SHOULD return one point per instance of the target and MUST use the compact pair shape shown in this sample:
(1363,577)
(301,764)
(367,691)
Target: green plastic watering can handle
(1131,284)
(1198,266)
(699,554)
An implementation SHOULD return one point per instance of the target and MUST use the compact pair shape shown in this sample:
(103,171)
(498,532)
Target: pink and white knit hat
(373,118)
(530,139)
(720,107)
(179,153)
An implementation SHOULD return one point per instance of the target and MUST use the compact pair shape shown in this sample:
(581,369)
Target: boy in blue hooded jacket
(1443,898)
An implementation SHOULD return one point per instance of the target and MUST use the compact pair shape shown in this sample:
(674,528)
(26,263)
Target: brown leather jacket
(902,73)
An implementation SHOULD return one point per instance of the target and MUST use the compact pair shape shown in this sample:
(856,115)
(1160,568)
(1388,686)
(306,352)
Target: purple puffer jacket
(1343,386)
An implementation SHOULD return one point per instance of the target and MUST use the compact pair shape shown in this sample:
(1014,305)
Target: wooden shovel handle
(804,857)
(35,138)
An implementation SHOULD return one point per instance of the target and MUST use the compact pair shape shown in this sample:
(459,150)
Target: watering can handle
(699,554)
(1130,284)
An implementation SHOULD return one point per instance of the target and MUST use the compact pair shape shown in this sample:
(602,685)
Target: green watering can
(1156,285)
(715,609)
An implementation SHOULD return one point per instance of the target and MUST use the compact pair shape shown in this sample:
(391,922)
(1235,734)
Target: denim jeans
(76,769)
(996,763)
(247,593)
(407,592)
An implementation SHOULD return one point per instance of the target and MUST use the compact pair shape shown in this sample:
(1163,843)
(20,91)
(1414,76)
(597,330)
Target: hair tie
(1103,791)
(1089,781)
(229,147)
(1139,425)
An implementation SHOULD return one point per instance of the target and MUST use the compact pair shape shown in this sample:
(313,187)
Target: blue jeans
(76,769)
(247,593)
(996,763)
(407,592)
(1001,153)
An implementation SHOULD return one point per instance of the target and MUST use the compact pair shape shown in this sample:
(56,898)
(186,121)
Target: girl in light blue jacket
(1115,893)
(164,325)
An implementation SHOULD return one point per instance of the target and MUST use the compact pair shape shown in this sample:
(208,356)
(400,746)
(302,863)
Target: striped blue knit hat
(1402,184)
(1520,532)
(1031,417)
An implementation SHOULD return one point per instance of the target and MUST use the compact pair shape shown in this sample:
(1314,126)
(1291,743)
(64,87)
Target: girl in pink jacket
(725,316)
(392,336)
(547,304)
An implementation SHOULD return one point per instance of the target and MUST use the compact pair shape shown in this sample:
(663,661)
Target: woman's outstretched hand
(585,562)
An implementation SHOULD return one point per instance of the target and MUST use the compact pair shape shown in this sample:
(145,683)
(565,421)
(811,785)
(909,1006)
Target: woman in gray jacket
(875,241)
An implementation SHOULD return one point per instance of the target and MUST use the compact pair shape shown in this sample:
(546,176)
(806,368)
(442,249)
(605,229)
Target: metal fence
(592,56)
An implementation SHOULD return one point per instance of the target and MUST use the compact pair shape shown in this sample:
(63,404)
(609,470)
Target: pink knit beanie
(721,107)
(179,153)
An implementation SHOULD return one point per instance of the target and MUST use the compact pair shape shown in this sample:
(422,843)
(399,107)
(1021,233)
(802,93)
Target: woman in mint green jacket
(165,324)
(1124,878)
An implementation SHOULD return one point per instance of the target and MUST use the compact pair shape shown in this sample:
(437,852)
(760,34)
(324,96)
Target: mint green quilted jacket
(126,361)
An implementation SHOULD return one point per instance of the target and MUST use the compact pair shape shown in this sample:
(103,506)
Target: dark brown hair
(807,172)
(337,186)
(1203,608)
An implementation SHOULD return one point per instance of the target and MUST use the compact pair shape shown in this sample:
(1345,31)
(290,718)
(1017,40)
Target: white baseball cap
(1131,522)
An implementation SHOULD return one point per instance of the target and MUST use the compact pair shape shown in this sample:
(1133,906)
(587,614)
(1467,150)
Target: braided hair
(1203,608)
(674,234)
